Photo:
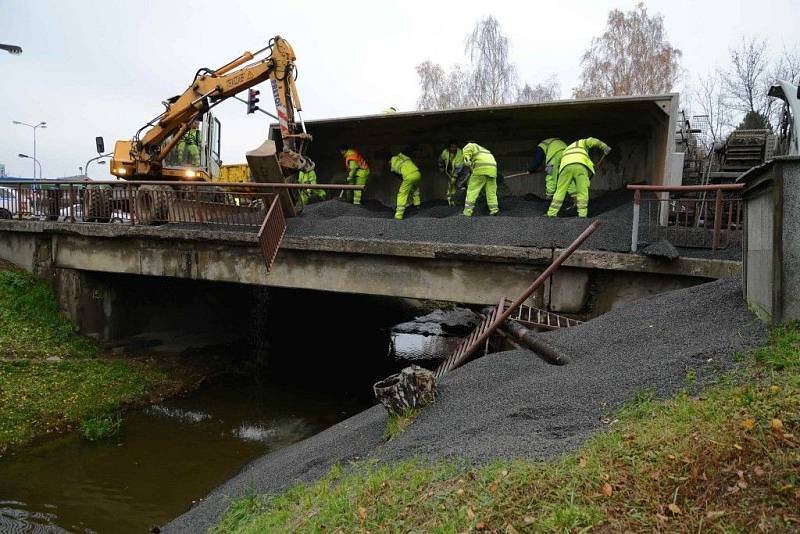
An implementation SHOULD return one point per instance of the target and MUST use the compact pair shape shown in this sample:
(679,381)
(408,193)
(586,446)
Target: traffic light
(252,100)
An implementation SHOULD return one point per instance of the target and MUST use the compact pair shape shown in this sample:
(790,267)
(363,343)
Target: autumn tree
(632,57)
(489,78)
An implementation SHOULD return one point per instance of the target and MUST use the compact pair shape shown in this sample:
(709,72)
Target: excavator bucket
(265,168)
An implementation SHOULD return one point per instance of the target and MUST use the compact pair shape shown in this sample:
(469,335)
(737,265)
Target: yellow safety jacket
(307,177)
(479,160)
(578,152)
(402,165)
(450,163)
(552,146)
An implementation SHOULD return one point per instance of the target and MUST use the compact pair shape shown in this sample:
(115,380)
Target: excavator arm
(144,155)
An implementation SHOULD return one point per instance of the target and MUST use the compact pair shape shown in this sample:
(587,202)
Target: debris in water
(432,336)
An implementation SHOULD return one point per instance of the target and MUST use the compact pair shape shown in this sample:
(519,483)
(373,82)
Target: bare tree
(745,79)
(710,99)
(632,57)
(489,79)
(545,91)
(493,75)
(440,89)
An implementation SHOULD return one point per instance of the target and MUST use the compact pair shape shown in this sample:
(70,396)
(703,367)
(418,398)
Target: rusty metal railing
(220,204)
(467,348)
(697,216)
(241,207)
(271,232)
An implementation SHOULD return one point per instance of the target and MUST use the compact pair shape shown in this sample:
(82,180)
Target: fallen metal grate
(271,232)
(503,311)
(533,317)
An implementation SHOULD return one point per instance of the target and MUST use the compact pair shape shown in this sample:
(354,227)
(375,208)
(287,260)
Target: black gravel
(512,404)
(522,222)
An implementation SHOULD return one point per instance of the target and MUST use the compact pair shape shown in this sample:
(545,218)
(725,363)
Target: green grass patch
(396,423)
(101,426)
(726,461)
(38,397)
(51,378)
(31,324)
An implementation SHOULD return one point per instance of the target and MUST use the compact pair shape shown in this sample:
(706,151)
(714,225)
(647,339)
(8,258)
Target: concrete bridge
(74,255)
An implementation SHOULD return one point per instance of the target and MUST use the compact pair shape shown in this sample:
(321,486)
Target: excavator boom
(143,157)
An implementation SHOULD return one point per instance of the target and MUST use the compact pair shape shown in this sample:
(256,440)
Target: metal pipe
(682,188)
(637,201)
(717,220)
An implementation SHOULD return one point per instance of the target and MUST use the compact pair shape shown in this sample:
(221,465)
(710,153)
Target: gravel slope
(537,410)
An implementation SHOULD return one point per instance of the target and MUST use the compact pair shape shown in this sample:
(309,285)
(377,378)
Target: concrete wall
(790,272)
(772,244)
(759,253)
(640,130)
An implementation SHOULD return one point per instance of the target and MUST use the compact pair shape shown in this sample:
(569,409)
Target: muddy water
(166,456)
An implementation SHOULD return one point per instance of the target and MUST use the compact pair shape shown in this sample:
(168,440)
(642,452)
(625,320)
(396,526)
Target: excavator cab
(198,151)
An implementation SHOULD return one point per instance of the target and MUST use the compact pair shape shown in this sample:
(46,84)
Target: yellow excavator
(150,155)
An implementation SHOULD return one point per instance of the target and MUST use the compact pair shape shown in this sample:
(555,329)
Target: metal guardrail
(697,216)
(242,206)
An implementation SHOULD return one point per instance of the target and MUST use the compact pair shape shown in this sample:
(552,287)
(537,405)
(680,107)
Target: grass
(396,423)
(51,378)
(31,324)
(727,461)
(101,426)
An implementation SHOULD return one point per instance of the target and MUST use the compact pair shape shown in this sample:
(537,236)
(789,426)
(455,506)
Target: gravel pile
(512,404)
(522,222)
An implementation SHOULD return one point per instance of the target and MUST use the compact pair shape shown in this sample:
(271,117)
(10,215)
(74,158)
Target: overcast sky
(102,67)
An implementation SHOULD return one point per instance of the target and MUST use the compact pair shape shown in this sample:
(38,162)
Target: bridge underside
(591,282)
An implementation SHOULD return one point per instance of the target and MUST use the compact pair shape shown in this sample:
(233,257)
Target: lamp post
(98,162)
(40,125)
(35,162)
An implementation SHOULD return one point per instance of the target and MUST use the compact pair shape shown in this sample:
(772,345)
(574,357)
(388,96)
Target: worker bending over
(402,165)
(451,163)
(549,153)
(357,169)
(483,169)
(307,195)
(576,167)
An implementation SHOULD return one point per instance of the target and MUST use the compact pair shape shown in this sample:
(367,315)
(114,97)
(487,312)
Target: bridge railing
(241,206)
(697,216)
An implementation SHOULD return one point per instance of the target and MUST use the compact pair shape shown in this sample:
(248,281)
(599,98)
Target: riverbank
(726,460)
(512,406)
(52,379)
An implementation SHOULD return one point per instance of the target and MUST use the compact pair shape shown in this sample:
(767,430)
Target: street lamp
(98,162)
(40,125)
(35,162)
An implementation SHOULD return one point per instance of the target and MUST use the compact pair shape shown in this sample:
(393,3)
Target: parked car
(9,203)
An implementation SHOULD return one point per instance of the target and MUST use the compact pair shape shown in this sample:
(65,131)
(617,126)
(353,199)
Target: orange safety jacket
(354,155)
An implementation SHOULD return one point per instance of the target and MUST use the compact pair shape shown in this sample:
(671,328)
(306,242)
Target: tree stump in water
(413,387)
